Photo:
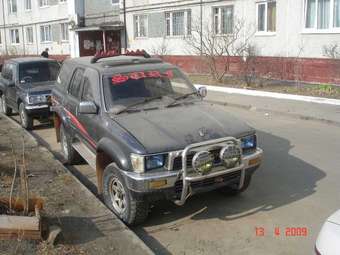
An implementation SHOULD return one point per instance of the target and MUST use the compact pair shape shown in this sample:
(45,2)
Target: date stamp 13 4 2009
(279,231)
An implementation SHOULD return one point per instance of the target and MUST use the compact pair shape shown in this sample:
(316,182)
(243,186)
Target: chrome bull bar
(186,189)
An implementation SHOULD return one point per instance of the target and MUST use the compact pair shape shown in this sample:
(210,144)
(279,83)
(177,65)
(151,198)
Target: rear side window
(75,86)
(7,72)
(64,76)
(87,91)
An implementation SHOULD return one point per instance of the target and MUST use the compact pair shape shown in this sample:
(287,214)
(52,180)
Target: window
(43,3)
(29,35)
(75,86)
(12,6)
(28,4)
(178,23)
(7,72)
(45,33)
(14,35)
(64,31)
(87,91)
(62,1)
(266,16)
(140,24)
(223,19)
(322,14)
(115,1)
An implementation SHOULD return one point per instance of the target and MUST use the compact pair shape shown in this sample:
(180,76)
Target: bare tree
(331,50)
(249,64)
(161,49)
(216,50)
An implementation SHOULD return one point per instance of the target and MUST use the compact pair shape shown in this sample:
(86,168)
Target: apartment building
(27,27)
(281,30)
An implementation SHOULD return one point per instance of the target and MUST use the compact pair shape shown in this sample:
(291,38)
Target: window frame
(26,5)
(43,27)
(219,19)
(27,35)
(169,17)
(16,34)
(10,6)
(315,29)
(137,26)
(64,29)
(43,3)
(265,31)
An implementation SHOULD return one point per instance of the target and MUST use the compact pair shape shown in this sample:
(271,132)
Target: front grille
(177,165)
(233,177)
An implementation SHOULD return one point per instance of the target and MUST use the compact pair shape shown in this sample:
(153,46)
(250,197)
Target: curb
(257,93)
(132,236)
(296,116)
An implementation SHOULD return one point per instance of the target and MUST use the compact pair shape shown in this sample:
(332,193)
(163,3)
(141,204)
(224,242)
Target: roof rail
(102,54)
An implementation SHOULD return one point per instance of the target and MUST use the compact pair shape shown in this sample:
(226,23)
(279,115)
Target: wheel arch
(108,152)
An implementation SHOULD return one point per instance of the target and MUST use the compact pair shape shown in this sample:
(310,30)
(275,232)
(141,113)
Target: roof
(30,59)
(118,63)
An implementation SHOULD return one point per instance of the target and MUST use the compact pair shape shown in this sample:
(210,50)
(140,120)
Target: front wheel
(3,106)
(26,120)
(120,200)
(233,191)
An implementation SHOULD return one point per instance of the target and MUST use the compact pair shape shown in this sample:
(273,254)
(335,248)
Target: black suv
(144,128)
(25,86)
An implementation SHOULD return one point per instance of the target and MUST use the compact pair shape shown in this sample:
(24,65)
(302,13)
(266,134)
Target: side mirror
(87,107)
(202,92)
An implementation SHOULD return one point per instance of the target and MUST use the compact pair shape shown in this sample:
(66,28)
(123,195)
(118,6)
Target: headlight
(248,142)
(155,161)
(37,99)
(140,163)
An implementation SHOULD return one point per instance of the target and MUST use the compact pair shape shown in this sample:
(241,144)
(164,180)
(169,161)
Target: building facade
(282,31)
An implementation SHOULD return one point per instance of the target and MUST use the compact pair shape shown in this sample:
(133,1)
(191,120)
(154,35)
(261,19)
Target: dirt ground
(88,227)
(287,87)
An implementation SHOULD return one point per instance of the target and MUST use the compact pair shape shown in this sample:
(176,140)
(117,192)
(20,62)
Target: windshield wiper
(181,97)
(144,101)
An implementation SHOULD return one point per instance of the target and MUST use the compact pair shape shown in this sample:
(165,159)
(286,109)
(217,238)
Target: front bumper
(180,185)
(38,110)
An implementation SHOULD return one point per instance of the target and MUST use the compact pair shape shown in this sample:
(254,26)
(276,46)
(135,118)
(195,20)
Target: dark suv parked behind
(25,86)
(144,128)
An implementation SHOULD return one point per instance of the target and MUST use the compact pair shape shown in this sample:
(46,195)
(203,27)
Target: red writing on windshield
(121,78)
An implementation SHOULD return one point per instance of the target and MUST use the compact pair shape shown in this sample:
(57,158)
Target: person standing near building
(45,53)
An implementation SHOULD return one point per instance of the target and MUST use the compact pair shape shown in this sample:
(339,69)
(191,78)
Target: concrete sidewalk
(299,109)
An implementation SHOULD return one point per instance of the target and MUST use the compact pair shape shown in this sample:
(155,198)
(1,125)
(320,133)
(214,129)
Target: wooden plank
(22,235)
(19,223)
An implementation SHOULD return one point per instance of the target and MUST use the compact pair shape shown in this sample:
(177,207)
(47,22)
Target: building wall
(54,14)
(291,39)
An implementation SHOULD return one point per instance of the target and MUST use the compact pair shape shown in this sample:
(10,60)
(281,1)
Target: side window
(75,86)
(87,91)
(10,72)
(4,71)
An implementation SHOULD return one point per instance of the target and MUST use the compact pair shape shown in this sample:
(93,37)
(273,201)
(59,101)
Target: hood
(39,88)
(174,128)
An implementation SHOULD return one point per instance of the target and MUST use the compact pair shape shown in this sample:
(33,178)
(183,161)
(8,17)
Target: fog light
(230,155)
(202,162)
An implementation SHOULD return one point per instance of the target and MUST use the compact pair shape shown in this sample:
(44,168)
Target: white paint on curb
(248,92)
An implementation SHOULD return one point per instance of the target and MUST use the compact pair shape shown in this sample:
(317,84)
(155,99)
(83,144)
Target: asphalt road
(296,187)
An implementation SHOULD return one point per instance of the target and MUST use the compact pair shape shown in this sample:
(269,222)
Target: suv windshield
(125,89)
(38,72)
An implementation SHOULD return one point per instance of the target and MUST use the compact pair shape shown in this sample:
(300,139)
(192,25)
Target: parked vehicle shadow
(282,179)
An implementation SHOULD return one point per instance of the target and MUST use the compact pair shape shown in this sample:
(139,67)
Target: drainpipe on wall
(3,17)
(201,32)
(23,39)
(125,29)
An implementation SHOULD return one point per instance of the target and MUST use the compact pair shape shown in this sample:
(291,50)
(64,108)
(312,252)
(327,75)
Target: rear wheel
(120,200)
(26,120)
(71,156)
(234,191)
(3,106)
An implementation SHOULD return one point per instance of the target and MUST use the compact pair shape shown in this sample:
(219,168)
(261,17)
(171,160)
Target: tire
(25,119)
(70,155)
(3,106)
(233,191)
(131,211)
